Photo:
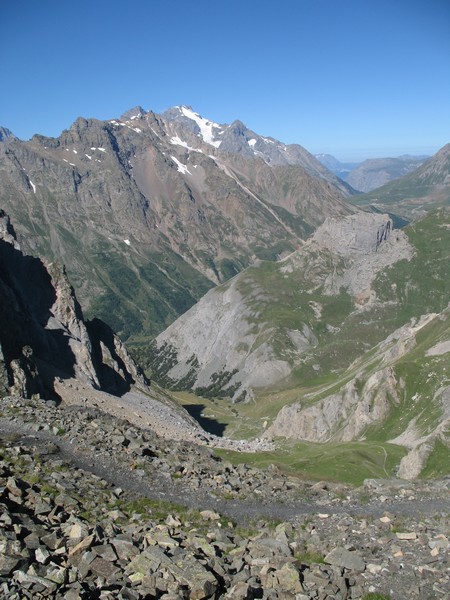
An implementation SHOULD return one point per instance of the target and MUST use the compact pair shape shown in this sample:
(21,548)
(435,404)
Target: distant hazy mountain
(372,173)
(335,166)
(150,211)
(423,189)
(375,172)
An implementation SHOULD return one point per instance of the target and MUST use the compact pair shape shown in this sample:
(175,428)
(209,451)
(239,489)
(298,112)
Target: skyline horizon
(355,155)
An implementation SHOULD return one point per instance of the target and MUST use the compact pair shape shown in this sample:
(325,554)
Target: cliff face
(42,331)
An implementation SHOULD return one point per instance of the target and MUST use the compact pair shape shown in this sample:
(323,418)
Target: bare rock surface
(87,510)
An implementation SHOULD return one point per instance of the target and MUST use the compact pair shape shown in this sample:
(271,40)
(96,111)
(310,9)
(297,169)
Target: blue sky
(353,78)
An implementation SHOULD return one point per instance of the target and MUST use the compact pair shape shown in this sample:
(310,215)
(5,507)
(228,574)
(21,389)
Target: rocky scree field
(91,508)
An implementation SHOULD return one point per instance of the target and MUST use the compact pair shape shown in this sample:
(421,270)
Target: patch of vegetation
(217,388)
(349,462)
(308,556)
(228,269)
(438,462)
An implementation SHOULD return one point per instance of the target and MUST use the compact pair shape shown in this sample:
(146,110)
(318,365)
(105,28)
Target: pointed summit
(133,113)
(5,134)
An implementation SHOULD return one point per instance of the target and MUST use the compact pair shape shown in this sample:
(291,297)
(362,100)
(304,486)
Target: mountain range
(414,194)
(372,173)
(133,208)
(240,268)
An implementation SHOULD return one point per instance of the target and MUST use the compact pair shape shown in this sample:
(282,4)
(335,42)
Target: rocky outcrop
(225,345)
(42,331)
(379,386)
(343,416)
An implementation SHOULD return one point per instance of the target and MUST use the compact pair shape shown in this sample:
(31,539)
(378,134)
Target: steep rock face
(148,213)
(343,416)
(42,331)
(5,134)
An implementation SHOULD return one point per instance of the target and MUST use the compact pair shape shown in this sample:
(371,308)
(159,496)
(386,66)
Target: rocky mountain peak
(134,113)
(5,134)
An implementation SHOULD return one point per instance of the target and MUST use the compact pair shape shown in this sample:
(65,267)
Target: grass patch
(438,462)
(350,462)
(308,556)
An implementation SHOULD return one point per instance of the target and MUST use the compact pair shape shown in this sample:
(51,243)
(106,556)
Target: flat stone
(346,559)
(406,535)
(440,541)
(52,540)
(104,568)
(76,531)
(56,573)
(8,564)
(125,549)
(289,579)
(373,568)
(42,555)
(13,487)
(83,545)
(105,551)
(209,515)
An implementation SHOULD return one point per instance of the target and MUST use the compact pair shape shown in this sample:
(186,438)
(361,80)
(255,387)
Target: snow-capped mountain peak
(203,128)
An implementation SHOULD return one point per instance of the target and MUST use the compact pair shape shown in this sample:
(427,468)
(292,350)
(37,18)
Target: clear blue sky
(354,78)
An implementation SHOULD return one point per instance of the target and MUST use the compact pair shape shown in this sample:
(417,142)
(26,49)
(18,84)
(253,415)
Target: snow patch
(75,151)
(181,168)
(89,157)
(176,141)
(206,127)
(127,242)
(251,142)
(32,185)
(137,130)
